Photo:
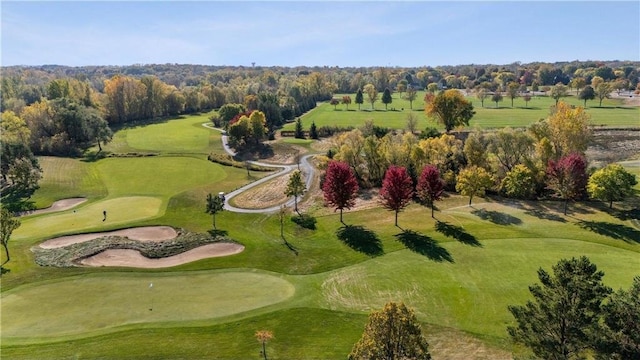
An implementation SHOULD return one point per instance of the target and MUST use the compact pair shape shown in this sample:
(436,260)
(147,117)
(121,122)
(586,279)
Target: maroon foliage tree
(340,186)
(568,178)
(430,186)
(397,189)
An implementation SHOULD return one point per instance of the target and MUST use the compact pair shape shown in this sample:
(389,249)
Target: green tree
(578,83)
(335,103)
(313,130)
(496,97)
(611,183)
(563,317)
(587,93)
(450,109)
(215,204)
(299,132)
(372,94)
(526,99)
(520,182)
(512,91)
(432,88)
(392,333)
(258,126)
(473,181)
(7,224)
(621,326)
(386,98)
(229,111)
(559,91)
(475,149)
(295,188)
(603,91)
(410,96)
(359,98)
(481,94)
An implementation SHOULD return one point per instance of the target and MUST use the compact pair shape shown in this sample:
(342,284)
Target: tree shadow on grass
(290,246)
(305,220)
(457,233)
(424,245)
(360,239)
(497,217)
(545,215)
(4,271)
(216,233)
(615,231)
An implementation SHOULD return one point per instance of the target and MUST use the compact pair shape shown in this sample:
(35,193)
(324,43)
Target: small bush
(328,131)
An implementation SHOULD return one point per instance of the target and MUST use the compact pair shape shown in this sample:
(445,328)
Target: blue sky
(332,33)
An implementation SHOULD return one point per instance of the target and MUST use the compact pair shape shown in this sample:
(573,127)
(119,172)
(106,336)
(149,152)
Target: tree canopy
(611,183)
(450,109)
(340,186)
(397,189)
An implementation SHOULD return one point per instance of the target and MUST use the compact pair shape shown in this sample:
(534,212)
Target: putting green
(99,302)
(120,210)
(472,292)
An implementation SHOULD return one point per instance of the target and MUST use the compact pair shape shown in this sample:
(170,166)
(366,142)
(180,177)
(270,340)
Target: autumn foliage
(430,186)
(397,189)
(567,177)
(340,186)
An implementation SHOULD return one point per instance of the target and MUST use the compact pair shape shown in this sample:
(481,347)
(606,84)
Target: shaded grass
(424,245)
(360,239)
(457,232)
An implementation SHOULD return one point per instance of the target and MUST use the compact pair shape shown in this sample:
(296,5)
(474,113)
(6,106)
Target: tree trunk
(264,350)
(470,198)
(295,204)
(341,217)
(99,146)
(433,217)
(565,206)
(610,204)
(600,103)
(214,221)
(6,251)
(396,217)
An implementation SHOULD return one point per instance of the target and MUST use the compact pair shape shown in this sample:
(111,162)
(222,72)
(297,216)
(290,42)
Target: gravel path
(305,167)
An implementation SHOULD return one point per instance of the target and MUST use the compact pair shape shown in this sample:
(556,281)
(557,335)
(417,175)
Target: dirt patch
(613,145)
(60,205)
(263,196)
(627,99)
(147,233)
(133,258)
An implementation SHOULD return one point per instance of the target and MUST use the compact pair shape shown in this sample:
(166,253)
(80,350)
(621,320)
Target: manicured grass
(42,310)
(120,211)
(312,288)
(65,178)
(612,113)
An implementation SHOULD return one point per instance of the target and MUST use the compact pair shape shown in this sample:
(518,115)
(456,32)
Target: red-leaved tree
(397,189)
(340,186)
(568,178)
(430,186)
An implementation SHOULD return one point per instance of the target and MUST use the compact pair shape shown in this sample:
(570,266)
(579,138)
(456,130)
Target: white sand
(147,233)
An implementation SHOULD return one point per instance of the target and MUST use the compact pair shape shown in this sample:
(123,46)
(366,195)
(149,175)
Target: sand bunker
(60,205)
(133,258)
(147,233)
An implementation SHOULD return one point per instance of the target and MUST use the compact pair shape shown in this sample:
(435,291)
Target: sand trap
(133,258)
(60,205)
(147,233)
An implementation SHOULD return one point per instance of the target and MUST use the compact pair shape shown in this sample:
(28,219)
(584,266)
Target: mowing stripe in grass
(85,304)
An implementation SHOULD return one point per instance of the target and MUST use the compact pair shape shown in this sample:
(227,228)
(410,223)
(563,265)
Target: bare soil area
(147,233)
(133,258)
(613,145)
(263,196)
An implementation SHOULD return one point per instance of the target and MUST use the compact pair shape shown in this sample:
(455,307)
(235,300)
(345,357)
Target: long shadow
(545,215)
(216,233)
(305,220)
(291,247)
(615,231)
(457,233)
(424,245)
(497,217)
(360,239)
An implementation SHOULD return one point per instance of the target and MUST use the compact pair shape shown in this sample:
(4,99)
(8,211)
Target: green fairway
(120,211)
(612,113)
(312,287)
(103,302)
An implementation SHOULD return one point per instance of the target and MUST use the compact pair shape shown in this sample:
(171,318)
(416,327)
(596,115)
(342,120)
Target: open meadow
(614,112)
(313,288)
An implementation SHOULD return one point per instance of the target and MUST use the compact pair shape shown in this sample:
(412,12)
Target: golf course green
(312,287)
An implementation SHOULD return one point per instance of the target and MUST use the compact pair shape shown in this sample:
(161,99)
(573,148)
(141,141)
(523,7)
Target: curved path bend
(305,167)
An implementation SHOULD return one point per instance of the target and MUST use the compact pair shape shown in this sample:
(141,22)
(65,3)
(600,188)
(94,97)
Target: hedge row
(226,159)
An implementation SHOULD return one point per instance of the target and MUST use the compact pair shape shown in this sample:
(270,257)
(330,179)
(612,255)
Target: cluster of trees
(573,314)
(247,130)
(547,158)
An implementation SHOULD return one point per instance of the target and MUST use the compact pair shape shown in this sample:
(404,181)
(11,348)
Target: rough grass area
(263,196)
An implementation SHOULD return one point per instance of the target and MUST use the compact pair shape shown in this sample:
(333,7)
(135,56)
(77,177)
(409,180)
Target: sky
(327,33)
